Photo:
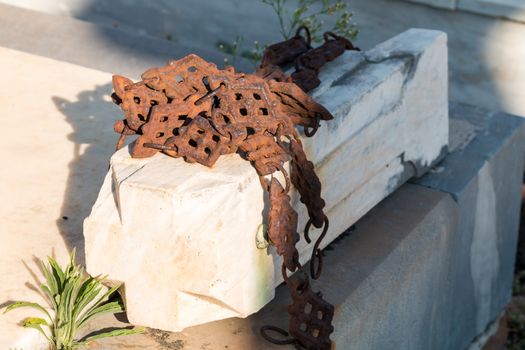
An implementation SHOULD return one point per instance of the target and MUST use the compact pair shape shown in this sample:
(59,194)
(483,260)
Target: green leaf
(72,256)
(88,296)
(19,304)
(111,307)
(31,321)
(113,333)
(51,282)
(37,323)
(57,273)
(106,295)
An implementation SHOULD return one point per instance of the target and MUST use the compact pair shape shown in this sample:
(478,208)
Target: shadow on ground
(93,142)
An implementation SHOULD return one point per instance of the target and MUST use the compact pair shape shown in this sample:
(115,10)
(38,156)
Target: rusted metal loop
(264,184)
(264,334)
(299,64)
(279,135)
(327,35)
(299,268)
(307,229)
(121,139)
(159,146)
(316,252)
(209,94)
(283,272)
(311,133)
(349,45)
(285,174)
(308,35)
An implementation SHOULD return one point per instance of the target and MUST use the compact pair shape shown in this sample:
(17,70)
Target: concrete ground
(486,53)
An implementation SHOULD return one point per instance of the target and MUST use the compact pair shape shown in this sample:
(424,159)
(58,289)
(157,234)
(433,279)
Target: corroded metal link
(311,315)
(316,260)
(265,153)
(136,101)
(167,121)
(181,78)
(308,185)
(272,72)
(286,341)
(307,65)
(306,79)
(307,60)
(301,108)
(285,52)
(282,225)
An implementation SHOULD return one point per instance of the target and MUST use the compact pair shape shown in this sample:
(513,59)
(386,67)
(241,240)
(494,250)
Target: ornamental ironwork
(191,109)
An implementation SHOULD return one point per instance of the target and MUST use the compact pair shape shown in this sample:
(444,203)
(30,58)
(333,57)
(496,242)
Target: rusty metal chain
(286,52)
(192,109)
(310,317)
(307,60)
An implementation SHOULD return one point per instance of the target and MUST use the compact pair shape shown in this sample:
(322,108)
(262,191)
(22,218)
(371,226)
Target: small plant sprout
(75,298)
(234,51)
(310,13)
(231,49)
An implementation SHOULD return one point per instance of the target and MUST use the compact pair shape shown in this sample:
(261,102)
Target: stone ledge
(513,10)
(425,269)
(484,176)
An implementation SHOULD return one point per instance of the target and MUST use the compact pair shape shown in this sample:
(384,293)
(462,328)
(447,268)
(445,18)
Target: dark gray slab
(483,173)
(91,45)
(476,137)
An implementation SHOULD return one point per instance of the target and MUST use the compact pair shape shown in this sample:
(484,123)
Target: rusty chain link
(191,109)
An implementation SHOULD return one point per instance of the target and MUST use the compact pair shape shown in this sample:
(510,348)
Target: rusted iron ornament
(194,110)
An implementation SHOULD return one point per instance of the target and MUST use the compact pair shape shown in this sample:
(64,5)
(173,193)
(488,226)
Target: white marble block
(182,237)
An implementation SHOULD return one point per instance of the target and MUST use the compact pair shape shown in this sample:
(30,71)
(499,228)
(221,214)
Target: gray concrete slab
(510,9)
(477,137)
(109,49)
(483,174)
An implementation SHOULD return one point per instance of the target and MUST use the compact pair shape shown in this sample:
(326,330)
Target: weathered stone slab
(511,9)
(484,176)
(448,4)
(391,123)
(427,268)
